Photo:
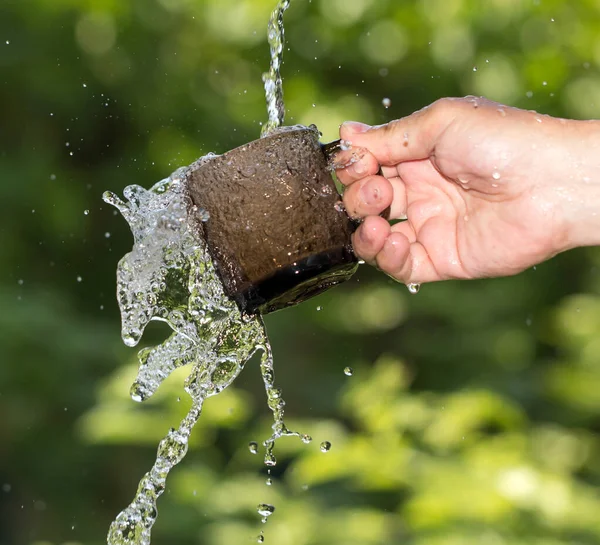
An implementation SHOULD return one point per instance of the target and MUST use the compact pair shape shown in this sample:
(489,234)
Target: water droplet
(265,510)
(496,175)
(107,235)
(85,84)
(270,459)
(386,102)
(319,308)
(306,439)
(20,281)
(325,446)
(413,287)
(269,481)
(79,279)
(348,371)
(474,68)
(260,539)
(253,447)
(86,212)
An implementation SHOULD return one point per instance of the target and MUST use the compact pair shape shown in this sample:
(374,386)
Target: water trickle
(169,276)
(272,78)
(325,446)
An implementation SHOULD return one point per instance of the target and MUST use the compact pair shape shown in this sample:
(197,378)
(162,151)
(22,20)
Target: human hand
(486,190)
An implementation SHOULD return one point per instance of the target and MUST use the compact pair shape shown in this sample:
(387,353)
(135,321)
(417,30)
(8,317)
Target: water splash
(272,78)
(169,276)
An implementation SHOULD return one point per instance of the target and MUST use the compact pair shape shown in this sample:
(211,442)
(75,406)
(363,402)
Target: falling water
(169,276)
(272,78)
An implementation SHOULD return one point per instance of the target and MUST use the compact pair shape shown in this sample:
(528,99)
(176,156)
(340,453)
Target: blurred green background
(473,415)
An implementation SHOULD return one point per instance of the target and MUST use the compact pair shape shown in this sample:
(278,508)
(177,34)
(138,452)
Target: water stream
(272,78)
(169,276)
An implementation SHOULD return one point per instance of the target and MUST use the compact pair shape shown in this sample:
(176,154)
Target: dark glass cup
(276,232)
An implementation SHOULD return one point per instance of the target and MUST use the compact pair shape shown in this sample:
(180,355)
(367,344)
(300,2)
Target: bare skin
(486,190)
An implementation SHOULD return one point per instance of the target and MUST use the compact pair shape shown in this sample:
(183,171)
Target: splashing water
(272,78)
(169,276)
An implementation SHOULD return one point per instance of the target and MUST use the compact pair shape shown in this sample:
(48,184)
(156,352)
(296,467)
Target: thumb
(408,139)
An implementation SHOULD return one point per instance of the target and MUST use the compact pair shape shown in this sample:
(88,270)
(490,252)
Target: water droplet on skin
(386,103)
(413,288)
(496,175)
(253,447)
(348,371)
(325,446)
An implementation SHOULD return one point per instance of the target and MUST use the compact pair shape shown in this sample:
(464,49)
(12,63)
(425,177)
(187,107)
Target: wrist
(578,190)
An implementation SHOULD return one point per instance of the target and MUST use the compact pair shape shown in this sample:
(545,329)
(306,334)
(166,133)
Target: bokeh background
(473,415)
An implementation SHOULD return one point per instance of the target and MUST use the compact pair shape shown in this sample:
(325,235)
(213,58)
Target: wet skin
(485,189)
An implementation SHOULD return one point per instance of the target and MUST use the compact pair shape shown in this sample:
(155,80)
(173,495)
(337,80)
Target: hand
(486,190)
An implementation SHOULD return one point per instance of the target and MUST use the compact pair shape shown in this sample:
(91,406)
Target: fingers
(369,196)
(408,139)
(355,164)
(394,250)
(369,238)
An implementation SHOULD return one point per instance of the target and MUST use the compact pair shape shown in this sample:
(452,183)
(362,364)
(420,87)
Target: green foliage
(472,414)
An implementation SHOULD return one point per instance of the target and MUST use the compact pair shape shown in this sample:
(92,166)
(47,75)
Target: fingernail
(356,127)
(370,193)
(364,235)
(359,168)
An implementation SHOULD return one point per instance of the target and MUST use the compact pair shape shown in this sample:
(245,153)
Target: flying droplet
(306,439)
(265,510)
(86,212)
(386,102)
(79,279)
(253,447)
(348,371)
(325,446)
(270,459)
(269,481)
(260,539)
(413,287)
